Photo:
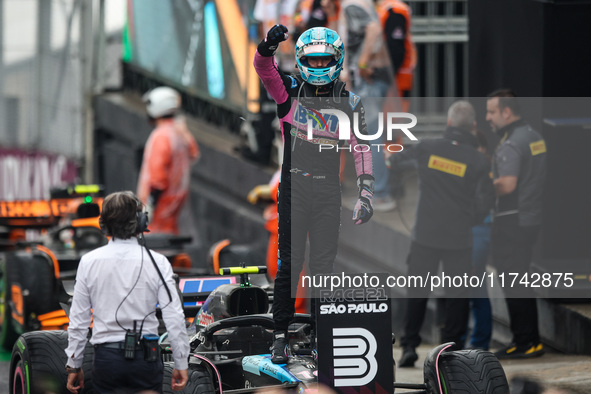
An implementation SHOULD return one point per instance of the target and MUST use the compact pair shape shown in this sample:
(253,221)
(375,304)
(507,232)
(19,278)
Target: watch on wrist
(72,369)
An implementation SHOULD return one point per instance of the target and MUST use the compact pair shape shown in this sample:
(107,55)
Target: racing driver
(309,196)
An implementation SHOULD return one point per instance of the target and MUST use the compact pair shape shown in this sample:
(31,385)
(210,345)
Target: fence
(440,32)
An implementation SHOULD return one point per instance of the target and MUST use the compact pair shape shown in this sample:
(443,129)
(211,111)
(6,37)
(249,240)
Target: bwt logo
(328,122)
(345,125)
(354,356)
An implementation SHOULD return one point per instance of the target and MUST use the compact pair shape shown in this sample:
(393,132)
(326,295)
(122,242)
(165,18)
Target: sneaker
(383,204)
(279,348)
(409,356)
(520,351)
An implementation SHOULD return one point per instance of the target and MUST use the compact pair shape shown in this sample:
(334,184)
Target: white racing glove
(363,210)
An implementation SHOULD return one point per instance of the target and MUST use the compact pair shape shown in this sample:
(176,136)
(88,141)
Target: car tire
(9,282)
(38,278)
(200,380)
(469,372)
(38,360)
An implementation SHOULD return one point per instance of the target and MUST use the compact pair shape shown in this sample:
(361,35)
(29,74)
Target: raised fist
(275,35)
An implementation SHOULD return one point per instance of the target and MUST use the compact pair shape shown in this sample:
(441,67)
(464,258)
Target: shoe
(512,351)
(383,204)
(279,348)
(409,356)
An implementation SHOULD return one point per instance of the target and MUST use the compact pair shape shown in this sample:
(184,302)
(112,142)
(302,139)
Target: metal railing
(440,33)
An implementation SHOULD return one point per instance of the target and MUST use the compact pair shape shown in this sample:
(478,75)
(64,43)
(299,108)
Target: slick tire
(200,380)
(469,372)
(38,360)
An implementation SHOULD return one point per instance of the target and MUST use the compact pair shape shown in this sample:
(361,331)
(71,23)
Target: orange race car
(41,242)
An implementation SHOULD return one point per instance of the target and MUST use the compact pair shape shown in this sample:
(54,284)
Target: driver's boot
(279,348)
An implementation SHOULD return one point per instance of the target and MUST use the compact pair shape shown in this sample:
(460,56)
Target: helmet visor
(317,49)
(318,61)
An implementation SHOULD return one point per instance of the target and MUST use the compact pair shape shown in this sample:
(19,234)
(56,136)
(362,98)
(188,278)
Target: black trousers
(309,209)
(422,260)
(512,247)
(112,373)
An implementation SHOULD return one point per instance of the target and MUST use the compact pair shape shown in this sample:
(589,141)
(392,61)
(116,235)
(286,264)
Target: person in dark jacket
(455,194)
(519,170)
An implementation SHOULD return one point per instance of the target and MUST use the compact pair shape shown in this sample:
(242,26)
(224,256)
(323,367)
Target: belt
(115,345)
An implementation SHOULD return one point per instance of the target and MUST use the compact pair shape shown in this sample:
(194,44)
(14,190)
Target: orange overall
(168,155)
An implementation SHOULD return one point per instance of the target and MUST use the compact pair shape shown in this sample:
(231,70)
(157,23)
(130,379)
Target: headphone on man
(142,221)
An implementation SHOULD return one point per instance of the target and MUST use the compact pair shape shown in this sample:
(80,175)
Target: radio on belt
(131,340)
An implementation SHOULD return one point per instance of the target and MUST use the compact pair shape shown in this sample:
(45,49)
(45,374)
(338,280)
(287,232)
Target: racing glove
(275,35)
(363,210)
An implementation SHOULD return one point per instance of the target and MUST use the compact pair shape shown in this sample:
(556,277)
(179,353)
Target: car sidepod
(259,371)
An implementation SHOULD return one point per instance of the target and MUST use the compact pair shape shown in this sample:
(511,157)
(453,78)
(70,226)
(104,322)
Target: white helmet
(162,101)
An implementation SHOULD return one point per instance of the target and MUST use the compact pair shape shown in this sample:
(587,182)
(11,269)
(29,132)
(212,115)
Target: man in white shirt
(122,284)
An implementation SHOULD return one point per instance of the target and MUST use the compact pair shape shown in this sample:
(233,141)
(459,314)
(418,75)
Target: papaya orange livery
(42,209)
(22,209)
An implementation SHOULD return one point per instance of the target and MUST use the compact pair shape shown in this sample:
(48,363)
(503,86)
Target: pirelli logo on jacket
(537,147)
(448,166)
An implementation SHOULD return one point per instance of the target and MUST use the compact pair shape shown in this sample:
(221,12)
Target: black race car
(230,338)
